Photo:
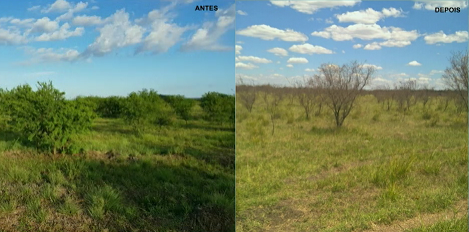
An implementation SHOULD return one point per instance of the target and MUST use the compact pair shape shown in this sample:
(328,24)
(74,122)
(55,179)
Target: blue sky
(280,42)
(92,47)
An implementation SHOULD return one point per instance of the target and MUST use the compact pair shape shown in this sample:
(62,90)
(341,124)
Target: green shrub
(145,108)
(45,118)
(181,105)
(218,107)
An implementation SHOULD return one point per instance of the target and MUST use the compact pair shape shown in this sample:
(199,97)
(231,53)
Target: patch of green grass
(179,178)
(382,167)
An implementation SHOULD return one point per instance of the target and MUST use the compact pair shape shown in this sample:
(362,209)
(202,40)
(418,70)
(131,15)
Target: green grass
(181,179)
(381,168)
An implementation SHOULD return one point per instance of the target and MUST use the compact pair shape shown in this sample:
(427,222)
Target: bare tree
(406,94)
(306,96)
(272,101)
(247,95)
(341,86)
(455,77)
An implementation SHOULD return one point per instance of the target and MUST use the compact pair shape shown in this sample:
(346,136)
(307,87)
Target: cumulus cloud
(311,7)
(253,59)
(430,5)
(238,49)
(85,20)
(309,49)
(357,46)
(366,32)
(34,8)
(290,65)
(120,32)
(376,67)
(206,38)
(414,63)
(368,16)
(441,37)
(266,32)
(10,37)
(278,51)
(47,55)
(309,70)
(61,34)
(297,60)
(44,25)
(57,6)
(372,46)
(245,66)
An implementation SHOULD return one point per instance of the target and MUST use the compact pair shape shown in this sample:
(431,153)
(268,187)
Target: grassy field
(382,171)
(177,178)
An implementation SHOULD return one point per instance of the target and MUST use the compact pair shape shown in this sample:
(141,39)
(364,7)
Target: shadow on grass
(123,195)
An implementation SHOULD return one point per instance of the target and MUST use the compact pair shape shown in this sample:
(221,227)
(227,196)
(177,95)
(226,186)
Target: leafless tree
(306,97)
(247,95)
(341,86)
(272,98)
(455,77)
(406,94)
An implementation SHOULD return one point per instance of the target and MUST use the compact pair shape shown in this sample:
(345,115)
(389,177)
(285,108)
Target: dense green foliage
(144,108)
(182,106)
(45,118)
(218,107)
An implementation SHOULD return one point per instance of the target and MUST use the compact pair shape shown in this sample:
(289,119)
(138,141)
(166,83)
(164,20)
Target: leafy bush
(144,108)
(218,107)
(45,118)
(181,105)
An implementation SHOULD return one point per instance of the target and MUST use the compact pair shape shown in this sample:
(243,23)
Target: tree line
(45,119)
(337,87)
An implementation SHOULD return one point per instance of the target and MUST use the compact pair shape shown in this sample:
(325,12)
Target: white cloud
(240,12)
(311,6)
(85,20)
(430,5)
(47,55)
(120,32)
(69,14)
(266,32)
(368,16)
(297,60)
(433,72)
(309,70)
(34,8)
(57,6)
(238,49)
(44,25)
(329,21)
(278,51)
(440,37)
(95,7)
(254,59)
(357,46)
(372,46)
(245,66)
(206,38)
(290,65)
(309,49)
(395,43)
(61,34)
(23,22)
(9,37)
(414,63)
(376,67)
(366,32)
